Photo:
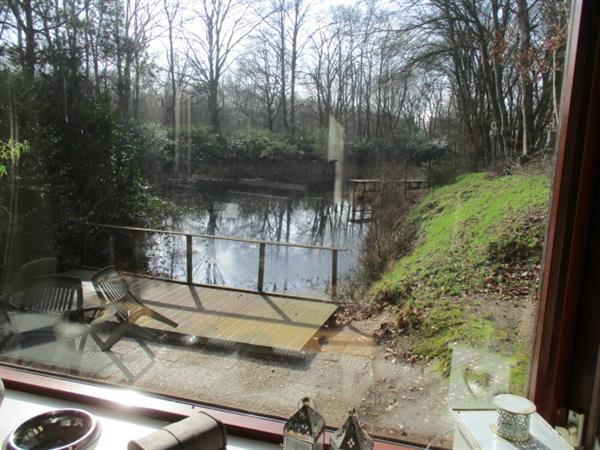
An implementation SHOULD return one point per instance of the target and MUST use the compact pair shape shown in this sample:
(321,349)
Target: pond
(273,212)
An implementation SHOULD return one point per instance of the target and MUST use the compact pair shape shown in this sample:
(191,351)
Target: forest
(212,120)
(97,97)
(488,71)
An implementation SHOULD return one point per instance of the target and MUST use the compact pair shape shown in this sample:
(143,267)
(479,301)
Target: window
(242,205)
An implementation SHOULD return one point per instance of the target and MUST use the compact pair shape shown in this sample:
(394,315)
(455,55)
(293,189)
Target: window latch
(572,432)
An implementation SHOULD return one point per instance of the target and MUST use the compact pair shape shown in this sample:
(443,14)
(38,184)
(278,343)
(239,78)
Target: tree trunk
(170,14)
(25,27)
(282,67)
(213,105)
(496,57)
(189,134)
(528,132)
(293,61)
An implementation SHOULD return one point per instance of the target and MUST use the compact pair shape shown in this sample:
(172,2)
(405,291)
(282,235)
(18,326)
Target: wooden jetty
(225,315)
(365,191)
(251,317)
(259,320)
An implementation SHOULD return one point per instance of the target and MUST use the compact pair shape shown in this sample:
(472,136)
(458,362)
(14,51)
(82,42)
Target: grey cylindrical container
(514,414)
(197,432)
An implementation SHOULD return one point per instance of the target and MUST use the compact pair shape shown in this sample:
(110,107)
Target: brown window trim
(238,423)
(566,369)
(569,230)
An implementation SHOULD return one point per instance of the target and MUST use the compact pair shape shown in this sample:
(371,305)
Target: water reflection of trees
(330,223)
(309,220)
(317,221)
(212,273)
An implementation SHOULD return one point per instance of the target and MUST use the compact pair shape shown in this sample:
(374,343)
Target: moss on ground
(471,234)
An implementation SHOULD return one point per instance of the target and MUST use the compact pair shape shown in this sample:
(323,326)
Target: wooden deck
(240,317)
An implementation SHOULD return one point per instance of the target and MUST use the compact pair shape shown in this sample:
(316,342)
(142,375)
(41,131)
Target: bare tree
(132,24)
(279,24)
(286,19)
(24,18)
(224,24)
(325,49)
(145,21)
(172,12)
(299,11)
(259,70)
(525,60)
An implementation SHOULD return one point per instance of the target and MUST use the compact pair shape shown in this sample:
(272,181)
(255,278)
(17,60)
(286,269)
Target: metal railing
(189,250)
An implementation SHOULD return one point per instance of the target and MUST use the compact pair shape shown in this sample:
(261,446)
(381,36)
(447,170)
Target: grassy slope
(470,235)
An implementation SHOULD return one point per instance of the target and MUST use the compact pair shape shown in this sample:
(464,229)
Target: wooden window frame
(563,288)
(567,280)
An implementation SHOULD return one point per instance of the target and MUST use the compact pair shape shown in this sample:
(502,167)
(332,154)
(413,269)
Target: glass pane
(349,203)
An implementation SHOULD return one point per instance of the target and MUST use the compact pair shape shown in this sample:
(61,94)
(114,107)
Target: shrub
(438,160)
(262,144)
(249,145)
(206,145)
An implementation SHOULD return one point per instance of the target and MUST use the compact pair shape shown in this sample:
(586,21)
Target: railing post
(405,177)
(261,267)
(189,255)
(134,244)
(111,250)
(84,244)
(334,269)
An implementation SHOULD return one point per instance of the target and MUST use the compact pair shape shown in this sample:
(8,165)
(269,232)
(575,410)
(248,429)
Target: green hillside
(476,240)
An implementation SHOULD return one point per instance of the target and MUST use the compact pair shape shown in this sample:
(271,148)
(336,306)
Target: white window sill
(118,427)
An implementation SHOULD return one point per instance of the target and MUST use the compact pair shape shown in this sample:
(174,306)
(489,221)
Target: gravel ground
(341,368)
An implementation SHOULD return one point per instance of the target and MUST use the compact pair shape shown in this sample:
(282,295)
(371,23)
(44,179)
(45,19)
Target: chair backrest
(34,269)
(110,285)
(54,293)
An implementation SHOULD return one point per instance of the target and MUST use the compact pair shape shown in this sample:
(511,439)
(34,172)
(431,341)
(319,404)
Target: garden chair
(25,276)
(32,270)
(19,283)
(121,304)
(41,305)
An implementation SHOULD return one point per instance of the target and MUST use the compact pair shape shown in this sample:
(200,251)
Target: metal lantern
(514,414)
(351,436)
(305,430)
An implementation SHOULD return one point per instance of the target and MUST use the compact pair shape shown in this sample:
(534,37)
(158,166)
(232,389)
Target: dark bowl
(61,429)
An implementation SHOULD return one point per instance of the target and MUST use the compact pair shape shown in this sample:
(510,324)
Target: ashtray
(60,429)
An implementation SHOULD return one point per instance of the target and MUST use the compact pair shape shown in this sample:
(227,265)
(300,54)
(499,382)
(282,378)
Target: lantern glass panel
(293,444)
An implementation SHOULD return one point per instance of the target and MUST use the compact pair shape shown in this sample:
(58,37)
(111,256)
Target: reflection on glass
(349,203)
